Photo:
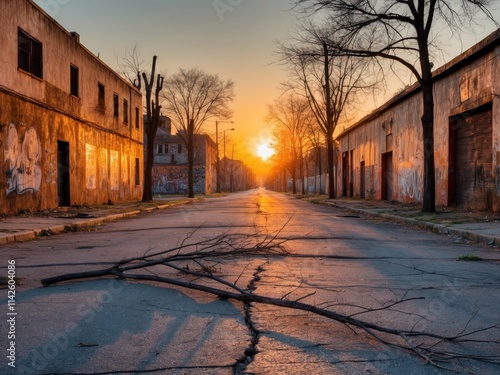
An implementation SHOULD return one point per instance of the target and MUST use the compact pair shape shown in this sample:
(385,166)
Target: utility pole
(224,174)
(217,122)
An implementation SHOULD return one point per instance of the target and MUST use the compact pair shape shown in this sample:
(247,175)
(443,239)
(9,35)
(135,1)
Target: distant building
(381,157)
(170,169)
(70,127)
(236,176)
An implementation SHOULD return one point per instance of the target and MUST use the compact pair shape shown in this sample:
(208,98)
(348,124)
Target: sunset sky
(232,38)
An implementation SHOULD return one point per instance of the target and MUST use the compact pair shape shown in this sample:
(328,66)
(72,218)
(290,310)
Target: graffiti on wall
(23,170)
(409,186)
(175,181)
(497,180)
(91,166)
(103,166)
(114,170)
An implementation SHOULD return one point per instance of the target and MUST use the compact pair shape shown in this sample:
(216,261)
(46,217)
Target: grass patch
(4,281)
(469,257)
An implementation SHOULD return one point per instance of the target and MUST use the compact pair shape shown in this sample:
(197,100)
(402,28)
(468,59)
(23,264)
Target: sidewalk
(476,226)
(28,226)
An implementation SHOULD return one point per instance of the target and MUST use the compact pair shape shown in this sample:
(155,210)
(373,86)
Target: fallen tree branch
(227,246)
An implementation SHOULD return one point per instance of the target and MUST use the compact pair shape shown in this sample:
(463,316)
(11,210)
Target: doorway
(362,180)
(63,176)
(470,175)
(387,176)
(345,173)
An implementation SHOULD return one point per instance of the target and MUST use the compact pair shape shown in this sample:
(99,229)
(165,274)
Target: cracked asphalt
(350,264)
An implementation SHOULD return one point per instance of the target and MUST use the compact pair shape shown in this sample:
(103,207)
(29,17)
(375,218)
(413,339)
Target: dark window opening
(179,148)
(137,118)
(137,172)
(74,74)
(125,111)
(101,104)
(116,105)
(30,54)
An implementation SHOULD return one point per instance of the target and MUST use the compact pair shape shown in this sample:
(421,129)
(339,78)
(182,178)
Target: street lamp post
(224,174)
(217,122)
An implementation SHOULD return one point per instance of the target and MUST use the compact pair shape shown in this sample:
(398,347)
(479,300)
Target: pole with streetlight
(217,122)
(224,174)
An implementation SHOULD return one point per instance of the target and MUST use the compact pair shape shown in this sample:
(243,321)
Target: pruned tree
(399,31)
(291,117)
(330,83)
(151,85)
(192,97)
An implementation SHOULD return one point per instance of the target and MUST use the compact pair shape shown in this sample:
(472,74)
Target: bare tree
(153,84)
(400,31)
(292,118)
(316,154)
(193,97)
(330,83)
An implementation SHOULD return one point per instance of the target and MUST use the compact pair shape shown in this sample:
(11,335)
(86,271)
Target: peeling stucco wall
(105,151)
(465,84)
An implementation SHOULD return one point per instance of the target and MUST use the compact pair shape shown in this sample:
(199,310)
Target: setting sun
(264,151)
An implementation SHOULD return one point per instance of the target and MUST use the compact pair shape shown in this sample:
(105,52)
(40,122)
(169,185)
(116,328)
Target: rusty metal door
(471,160)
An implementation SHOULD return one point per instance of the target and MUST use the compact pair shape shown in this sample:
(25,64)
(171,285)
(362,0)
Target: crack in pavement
(251,350)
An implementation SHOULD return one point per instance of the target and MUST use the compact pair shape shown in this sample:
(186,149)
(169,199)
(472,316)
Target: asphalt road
(334,260)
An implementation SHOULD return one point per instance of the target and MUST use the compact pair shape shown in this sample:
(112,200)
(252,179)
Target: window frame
(116,105)
(125,111)
(74,81)
(137,118)
(101,97)
(29,54)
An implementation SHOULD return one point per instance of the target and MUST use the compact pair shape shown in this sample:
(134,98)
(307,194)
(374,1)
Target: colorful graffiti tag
(23,172)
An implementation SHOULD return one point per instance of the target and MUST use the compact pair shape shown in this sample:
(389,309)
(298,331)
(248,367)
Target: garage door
(471,139)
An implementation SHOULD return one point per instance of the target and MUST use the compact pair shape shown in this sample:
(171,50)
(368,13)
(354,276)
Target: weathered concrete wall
(170,173)
(466,83)
(36,113)
(60,51)
(101,163)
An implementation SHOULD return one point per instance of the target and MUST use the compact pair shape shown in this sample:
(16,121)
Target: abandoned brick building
(70,127)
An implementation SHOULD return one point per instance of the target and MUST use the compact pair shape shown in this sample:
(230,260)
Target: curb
(438,228)
(30,235)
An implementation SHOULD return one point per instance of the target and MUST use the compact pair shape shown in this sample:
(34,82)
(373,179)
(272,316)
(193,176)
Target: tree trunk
(147,194)
(329,125)
(429,199)
(331,176)
(151,125)
(190,152)
(302,175)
